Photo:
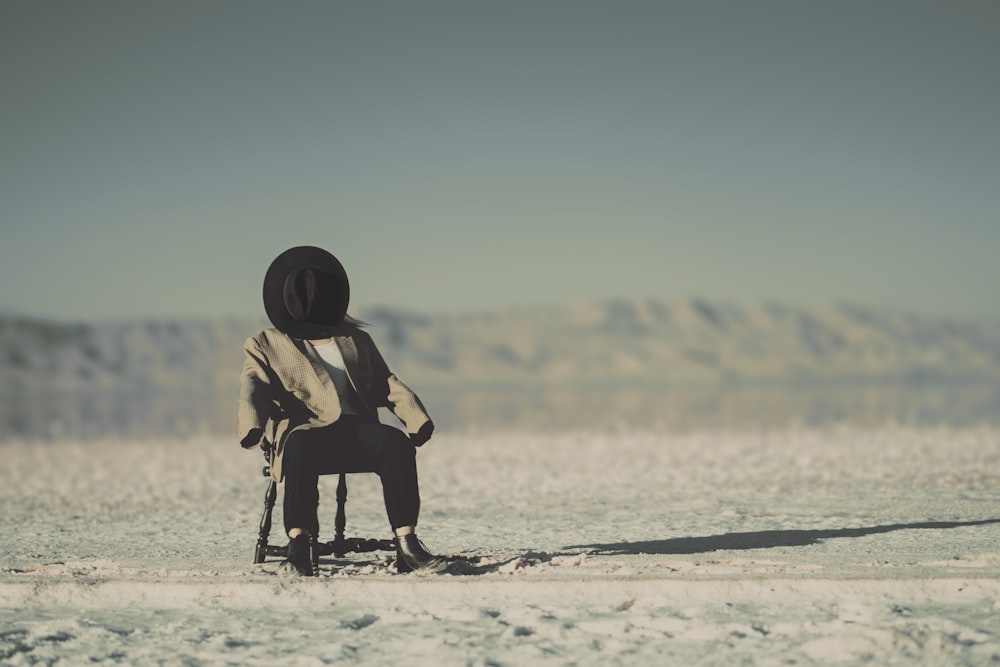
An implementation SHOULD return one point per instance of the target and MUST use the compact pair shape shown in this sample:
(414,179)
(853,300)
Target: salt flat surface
(794,546)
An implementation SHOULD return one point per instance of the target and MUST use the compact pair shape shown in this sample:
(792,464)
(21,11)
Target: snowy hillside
(688,343)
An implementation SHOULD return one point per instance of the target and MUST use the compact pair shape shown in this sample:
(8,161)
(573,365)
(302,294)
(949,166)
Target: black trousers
(351,444)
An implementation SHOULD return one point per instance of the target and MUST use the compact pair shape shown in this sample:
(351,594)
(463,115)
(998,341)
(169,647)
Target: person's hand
(423,435)
(253,438)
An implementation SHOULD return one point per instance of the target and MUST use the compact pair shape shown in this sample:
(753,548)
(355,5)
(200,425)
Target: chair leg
(340,523)
(265,522)
(314,543)
(314,551)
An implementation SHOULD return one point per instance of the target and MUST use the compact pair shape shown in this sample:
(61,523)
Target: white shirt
(334,362)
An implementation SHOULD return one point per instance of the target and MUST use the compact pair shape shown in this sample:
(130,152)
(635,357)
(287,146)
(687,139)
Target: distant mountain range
(598,345)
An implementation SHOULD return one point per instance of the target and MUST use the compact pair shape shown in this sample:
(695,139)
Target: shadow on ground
(764,539)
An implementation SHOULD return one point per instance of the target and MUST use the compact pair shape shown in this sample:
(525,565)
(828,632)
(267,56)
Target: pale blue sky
(157,155)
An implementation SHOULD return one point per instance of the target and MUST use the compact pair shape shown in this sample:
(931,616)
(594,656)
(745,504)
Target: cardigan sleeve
(395,395)
(256,395)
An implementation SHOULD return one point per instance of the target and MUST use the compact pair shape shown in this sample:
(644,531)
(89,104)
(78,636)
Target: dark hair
(353,321)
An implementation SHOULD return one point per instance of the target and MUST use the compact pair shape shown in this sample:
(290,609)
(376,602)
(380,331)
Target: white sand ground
(772,548)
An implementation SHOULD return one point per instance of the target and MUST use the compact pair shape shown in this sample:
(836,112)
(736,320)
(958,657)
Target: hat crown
(306,292)
(314,296)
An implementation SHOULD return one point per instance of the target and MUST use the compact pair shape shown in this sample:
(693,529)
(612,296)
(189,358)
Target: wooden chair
(339,546)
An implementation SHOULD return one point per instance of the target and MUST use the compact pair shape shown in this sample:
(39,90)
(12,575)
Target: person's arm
(256,396)
(401,400)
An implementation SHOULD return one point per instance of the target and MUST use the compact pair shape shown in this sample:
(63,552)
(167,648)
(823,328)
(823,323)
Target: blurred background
(554,215)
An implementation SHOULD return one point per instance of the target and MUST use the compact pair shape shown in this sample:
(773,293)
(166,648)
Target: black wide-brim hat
(306,292)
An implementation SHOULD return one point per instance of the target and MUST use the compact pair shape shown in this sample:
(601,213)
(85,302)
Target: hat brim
(291,260)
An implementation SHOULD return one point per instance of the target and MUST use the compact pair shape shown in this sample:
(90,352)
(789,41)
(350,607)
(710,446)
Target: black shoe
(411,554)
(299,556)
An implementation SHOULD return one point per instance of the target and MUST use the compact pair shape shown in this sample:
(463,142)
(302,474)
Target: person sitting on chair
(310,391)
